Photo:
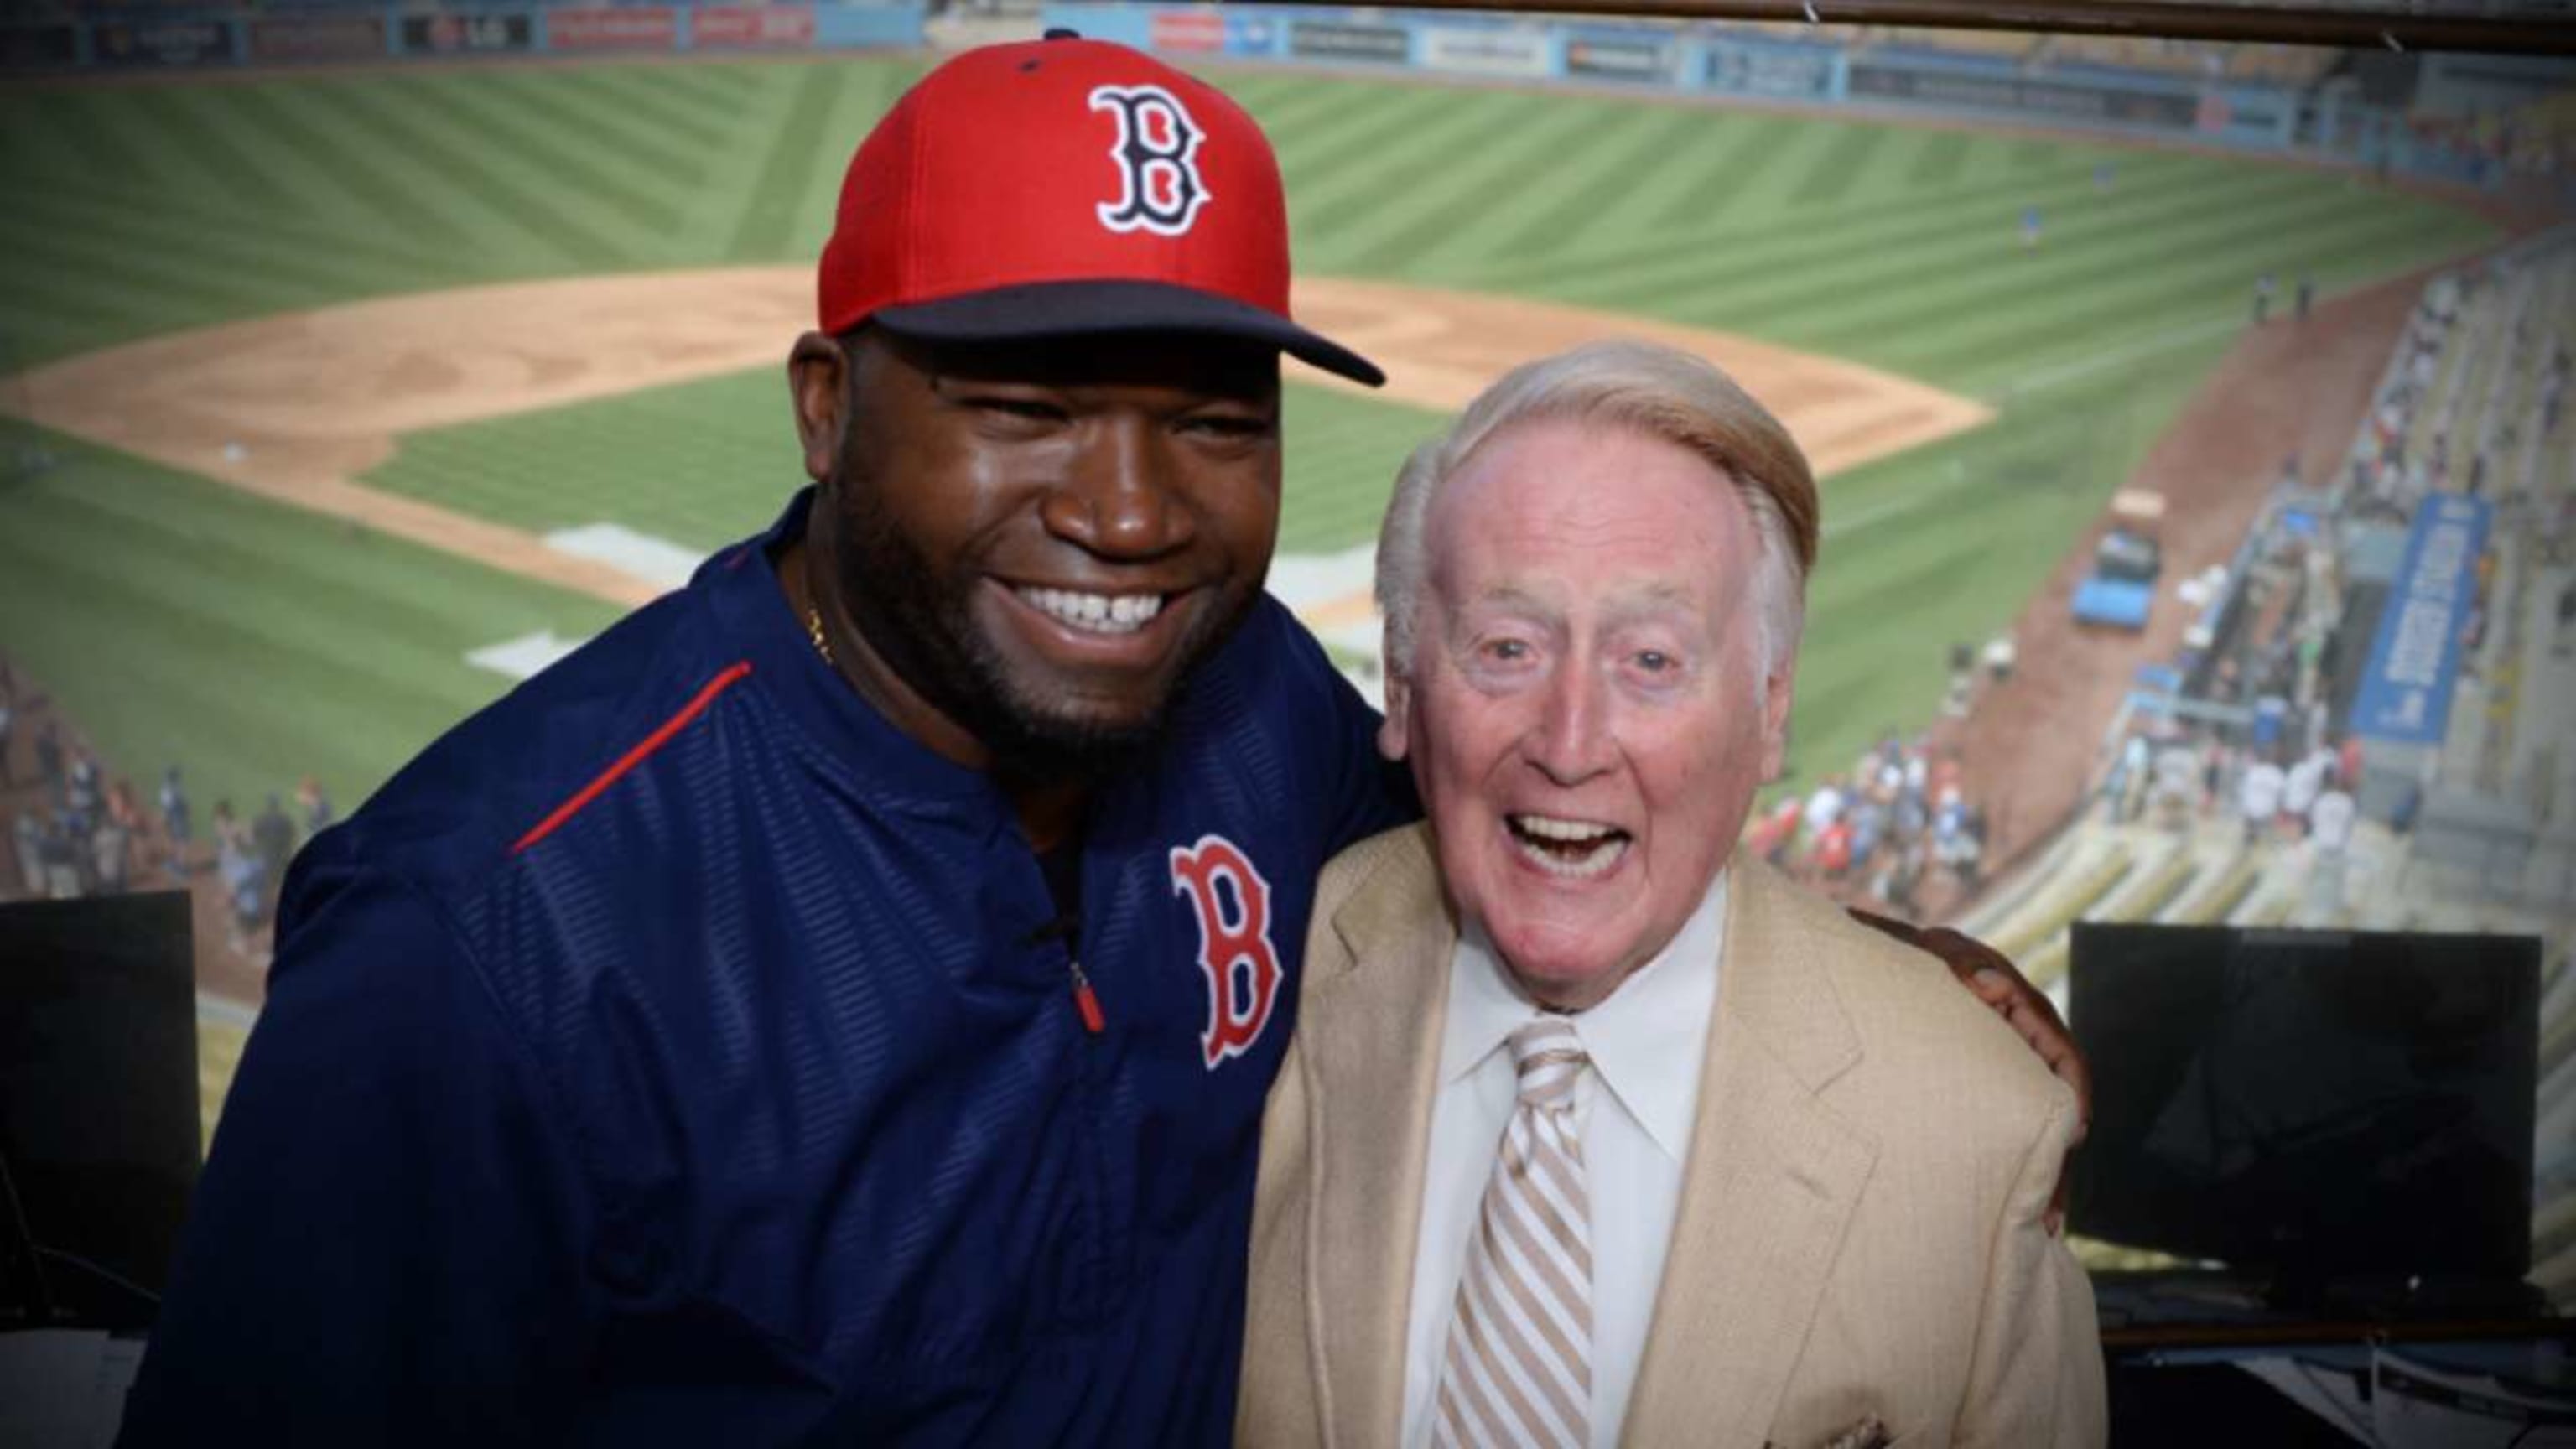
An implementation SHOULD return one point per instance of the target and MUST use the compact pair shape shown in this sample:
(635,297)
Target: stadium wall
(181,40)
(1898,80)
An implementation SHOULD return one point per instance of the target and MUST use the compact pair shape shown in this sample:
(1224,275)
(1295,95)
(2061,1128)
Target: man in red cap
(838,1002)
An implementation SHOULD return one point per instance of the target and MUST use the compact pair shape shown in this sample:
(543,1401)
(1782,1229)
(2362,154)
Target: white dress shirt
(1634,1106)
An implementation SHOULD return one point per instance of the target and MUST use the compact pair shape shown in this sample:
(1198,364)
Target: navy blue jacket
(676,1053)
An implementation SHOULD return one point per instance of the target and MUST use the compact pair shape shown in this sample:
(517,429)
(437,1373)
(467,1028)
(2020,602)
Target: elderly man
(1593,1132)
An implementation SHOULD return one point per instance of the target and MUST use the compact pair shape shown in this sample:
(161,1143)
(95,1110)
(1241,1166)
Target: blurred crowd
(1879,830)
(76,831)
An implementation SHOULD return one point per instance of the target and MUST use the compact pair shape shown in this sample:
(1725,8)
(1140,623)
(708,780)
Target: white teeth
(1549,828)
(1581,867)
(1099,613)
(1607,844)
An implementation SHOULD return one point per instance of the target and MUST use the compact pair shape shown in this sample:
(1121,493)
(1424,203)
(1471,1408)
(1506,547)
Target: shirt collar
(1647,1042)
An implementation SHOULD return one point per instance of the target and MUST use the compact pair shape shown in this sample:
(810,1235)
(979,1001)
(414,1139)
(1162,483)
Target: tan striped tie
(1518,1369)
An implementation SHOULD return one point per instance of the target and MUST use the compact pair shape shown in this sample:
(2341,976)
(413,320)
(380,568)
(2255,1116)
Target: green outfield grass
(142,209)
(252,644)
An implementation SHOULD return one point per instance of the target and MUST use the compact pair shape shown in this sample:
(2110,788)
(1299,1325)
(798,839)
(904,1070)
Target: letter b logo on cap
(1159,186)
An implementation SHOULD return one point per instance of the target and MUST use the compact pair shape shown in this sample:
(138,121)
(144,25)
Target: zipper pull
(1085,1001)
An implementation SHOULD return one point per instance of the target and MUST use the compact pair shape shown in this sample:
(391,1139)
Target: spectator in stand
(127,814)
(2329,833)
(174,819)
(7,721)
(49,764)
(1868,821)
(2330,820)
(272,837)
(81,790)
(110,844)
(316,805)
(1824,807)
(2258,797)
(2127,782)
(63,865)
(1834,850)
(2300,786)
(243,873)
(1771,836)
(1950,845)
(29,839)
(1891,769)
(2177,786)
(1972,855)
(1904,873)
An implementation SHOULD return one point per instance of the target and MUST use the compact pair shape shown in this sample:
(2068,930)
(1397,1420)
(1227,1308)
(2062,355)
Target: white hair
(1644,387)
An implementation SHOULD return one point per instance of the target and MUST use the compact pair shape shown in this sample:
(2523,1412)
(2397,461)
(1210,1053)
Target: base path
(1442,348)
(299,407)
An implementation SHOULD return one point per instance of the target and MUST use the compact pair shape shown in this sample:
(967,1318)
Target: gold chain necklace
(814,631)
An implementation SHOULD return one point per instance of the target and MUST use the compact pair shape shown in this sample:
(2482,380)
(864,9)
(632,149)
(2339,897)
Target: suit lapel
(1772,1182)
(1370,1036)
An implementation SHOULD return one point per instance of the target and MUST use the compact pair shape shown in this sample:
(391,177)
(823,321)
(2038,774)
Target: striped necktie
(1518,1369)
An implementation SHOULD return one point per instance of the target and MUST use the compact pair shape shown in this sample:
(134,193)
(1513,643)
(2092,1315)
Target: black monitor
(99,1134)
(2313,1107)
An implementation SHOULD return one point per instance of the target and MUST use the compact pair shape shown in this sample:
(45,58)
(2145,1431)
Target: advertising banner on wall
(318,37)
(2050,99)
(2405,694)
(1336,40)
(1199,32)
(1254,34)
(752,27)
(849,26)
(638,27)
(37,47)
(1650,59)
(1782,72)
(467,34)
(1508,54)
(172,43)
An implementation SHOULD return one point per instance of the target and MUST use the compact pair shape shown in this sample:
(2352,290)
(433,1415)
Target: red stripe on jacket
(636,756)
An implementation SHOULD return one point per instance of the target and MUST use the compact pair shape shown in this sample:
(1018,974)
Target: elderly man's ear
(1778,689)
(1392,733)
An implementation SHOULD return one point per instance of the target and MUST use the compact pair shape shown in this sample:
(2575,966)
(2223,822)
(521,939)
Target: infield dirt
(298,407)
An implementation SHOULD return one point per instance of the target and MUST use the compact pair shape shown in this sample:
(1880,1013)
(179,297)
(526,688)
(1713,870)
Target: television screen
(98,1101)
(2319,1105)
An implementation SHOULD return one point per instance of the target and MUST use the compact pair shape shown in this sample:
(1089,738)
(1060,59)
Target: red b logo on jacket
(1234,944)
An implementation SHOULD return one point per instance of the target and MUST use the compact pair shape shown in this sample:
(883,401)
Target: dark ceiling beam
(2343,26)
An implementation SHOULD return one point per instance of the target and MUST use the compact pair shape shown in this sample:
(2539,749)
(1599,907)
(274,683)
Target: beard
(918,618)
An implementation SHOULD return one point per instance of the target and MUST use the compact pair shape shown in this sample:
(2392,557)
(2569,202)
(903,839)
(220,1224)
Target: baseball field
(355,394)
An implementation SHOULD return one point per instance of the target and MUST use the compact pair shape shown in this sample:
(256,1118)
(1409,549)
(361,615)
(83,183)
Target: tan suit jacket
(1859,1228)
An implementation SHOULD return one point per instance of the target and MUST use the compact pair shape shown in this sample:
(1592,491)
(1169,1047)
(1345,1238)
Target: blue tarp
(2115,602)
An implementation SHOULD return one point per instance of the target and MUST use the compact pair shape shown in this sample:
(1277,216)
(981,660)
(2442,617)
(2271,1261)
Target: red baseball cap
(1062,187)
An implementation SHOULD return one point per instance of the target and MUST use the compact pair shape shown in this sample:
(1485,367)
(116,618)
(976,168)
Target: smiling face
(1033,543)
(1588,714)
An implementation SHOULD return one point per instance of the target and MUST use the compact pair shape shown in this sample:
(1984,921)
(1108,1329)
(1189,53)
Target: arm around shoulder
(383,1245)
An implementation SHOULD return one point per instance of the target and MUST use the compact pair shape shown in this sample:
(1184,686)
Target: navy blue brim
(1081,309)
